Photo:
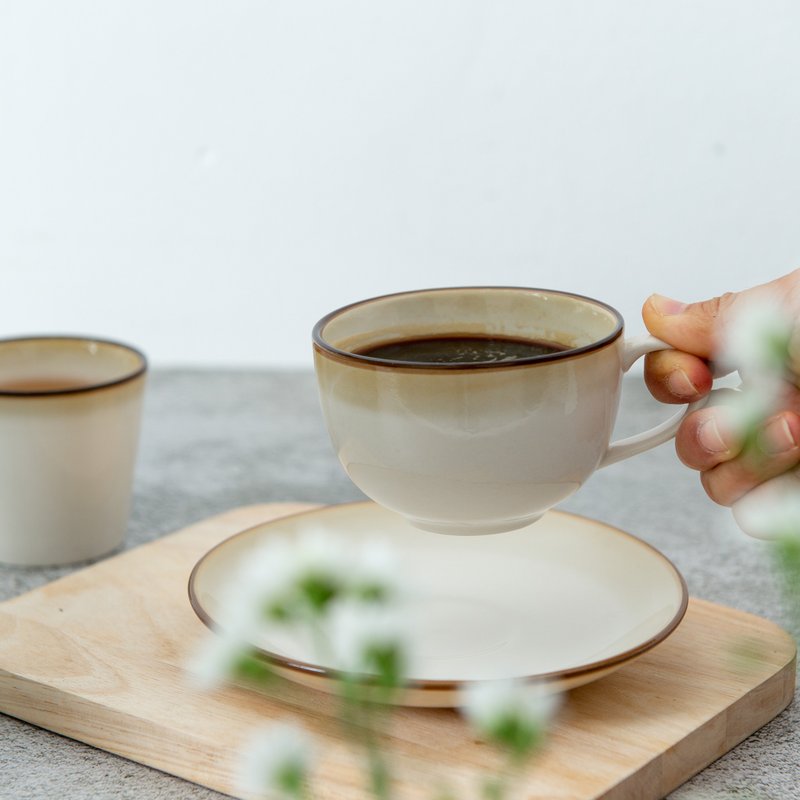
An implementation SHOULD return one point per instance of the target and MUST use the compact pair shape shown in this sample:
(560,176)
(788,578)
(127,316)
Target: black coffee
(462,350)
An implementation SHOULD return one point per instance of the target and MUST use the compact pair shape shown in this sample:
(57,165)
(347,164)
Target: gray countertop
(214,440)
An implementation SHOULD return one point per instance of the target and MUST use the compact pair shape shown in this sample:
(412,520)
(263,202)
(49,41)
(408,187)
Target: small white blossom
(357,630)
(376,576)
(486,701)
(215,661)
(266,574)
(771,510)
(758,342)
(511,713)
(276,580)
(744,410)
(319,552)
(757,337)
(269,570)
(277,762)
(292,581)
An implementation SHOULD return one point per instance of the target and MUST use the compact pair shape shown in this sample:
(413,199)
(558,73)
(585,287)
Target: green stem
(359,716)
(380,776)
(495,788)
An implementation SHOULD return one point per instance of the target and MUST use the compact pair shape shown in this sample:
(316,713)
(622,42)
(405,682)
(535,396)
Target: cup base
(474,528)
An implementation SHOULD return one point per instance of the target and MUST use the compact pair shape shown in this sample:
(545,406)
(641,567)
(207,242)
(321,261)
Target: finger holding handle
(732,462)
(755,474)
(634,348)
(750,461)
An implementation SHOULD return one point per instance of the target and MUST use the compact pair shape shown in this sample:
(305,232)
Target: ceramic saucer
(563,601)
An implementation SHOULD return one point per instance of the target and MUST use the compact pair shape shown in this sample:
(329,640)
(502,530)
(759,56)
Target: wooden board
(99,656)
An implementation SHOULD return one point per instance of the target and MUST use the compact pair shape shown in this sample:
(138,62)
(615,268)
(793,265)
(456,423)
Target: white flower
(286,577)
(268,571)
(277,762)
(221,652)
(318,552)
(486,701)
(757,337)
(375,574)
(511,713)
(297,582)
(360,633)
(771,510)
(265,575)
(215,661)
(758,342)
(747,408)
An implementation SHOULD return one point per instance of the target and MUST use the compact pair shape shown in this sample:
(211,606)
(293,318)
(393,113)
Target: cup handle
(633,349)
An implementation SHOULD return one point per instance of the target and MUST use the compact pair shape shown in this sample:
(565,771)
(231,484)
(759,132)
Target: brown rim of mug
(356,359)
(91,387)
(306,668)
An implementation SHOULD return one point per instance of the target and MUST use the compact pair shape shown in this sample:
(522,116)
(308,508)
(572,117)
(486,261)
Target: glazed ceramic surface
(475,448)
(561,602)
(69,427)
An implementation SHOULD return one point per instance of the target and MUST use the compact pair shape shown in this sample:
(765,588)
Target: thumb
(696,328)
(693,328)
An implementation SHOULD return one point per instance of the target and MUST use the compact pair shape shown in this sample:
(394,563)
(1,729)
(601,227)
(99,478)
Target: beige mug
(481,447)
(70,411)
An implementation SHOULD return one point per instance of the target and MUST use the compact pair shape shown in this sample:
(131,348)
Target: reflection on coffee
(462,350)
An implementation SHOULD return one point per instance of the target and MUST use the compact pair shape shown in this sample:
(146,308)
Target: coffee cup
(70,409)
(485,441)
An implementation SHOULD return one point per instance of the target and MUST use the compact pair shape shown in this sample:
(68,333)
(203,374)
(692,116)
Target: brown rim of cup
(562,355)
(91,387)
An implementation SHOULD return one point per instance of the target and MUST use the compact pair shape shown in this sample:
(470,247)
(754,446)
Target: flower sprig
(277,763)
(763,343)
(353,601)
(513,715)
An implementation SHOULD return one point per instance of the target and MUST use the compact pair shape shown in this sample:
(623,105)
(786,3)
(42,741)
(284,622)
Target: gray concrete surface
(213,440)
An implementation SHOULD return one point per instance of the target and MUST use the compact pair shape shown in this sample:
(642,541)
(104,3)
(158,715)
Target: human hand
(706,441)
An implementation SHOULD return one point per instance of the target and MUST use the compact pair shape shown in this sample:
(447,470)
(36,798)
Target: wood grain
(100,656)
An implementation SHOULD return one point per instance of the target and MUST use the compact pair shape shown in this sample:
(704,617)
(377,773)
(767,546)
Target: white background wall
(207,179)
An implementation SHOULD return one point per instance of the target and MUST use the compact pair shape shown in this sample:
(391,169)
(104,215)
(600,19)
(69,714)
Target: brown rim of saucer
(305,668)
(129,375)
(356,359)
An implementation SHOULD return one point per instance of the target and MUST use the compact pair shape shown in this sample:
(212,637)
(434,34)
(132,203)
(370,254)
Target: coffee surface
(462,350)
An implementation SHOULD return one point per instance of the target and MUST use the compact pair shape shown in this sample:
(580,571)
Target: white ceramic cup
(480,447)
(70,410)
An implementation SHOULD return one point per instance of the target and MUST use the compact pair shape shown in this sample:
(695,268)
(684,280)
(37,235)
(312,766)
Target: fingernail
(710,438)
(679,384)
(777,437)
(666,306)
